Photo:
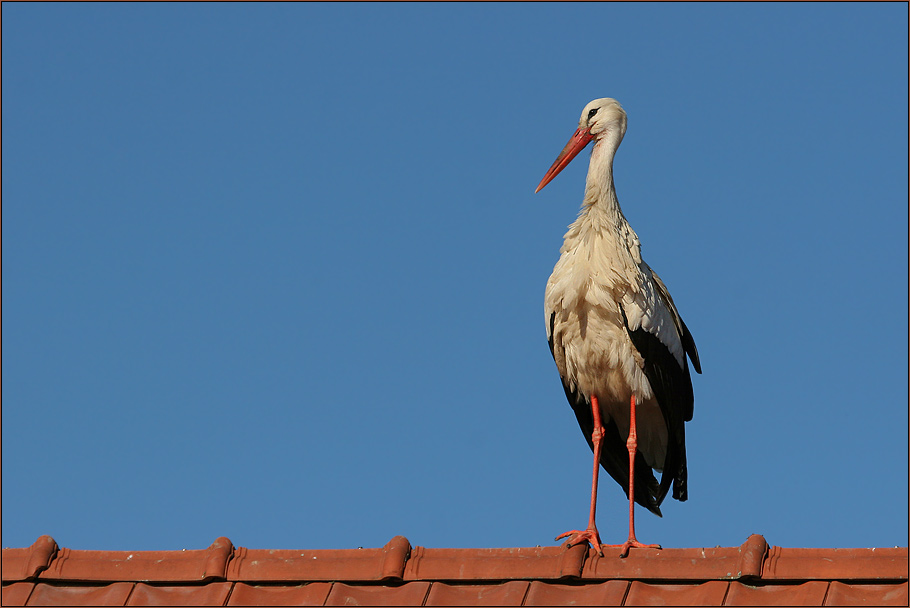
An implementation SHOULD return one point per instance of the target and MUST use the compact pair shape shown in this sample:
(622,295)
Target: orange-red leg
(632,445)
(591,534)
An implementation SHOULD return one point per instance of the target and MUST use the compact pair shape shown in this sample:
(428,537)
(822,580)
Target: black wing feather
(672,387)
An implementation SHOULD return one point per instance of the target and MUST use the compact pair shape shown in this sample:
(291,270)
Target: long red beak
(579,140)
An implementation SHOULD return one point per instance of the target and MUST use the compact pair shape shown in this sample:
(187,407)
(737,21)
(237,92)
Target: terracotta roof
(399,574)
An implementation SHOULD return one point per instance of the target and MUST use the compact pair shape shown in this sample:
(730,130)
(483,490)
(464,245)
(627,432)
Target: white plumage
(613,329)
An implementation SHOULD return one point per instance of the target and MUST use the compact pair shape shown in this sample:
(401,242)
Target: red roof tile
(806,594)
(411,594)
(20,564)
(162,566)
(825,564)
(311,594)
(397,574)
(721,563)
(114,594)
(706,594)
(211,594)
(320,564)
(495,564)
(841,594)
(610,593)
(504,594)
(16,594)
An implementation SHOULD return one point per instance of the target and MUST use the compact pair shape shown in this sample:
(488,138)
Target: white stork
(618,341)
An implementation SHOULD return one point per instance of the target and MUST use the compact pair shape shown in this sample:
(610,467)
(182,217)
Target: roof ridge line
(399,561)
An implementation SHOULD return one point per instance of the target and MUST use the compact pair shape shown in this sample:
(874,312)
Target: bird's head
(602,120)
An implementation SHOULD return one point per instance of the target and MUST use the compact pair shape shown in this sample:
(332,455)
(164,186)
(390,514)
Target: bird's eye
(592,113)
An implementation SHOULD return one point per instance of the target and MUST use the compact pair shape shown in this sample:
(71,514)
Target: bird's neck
(599,190)
(600,208)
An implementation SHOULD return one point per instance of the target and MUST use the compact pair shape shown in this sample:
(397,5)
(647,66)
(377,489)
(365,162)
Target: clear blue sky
(276,272)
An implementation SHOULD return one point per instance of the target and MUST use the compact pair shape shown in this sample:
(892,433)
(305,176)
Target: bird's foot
(591,535)
(633,543)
